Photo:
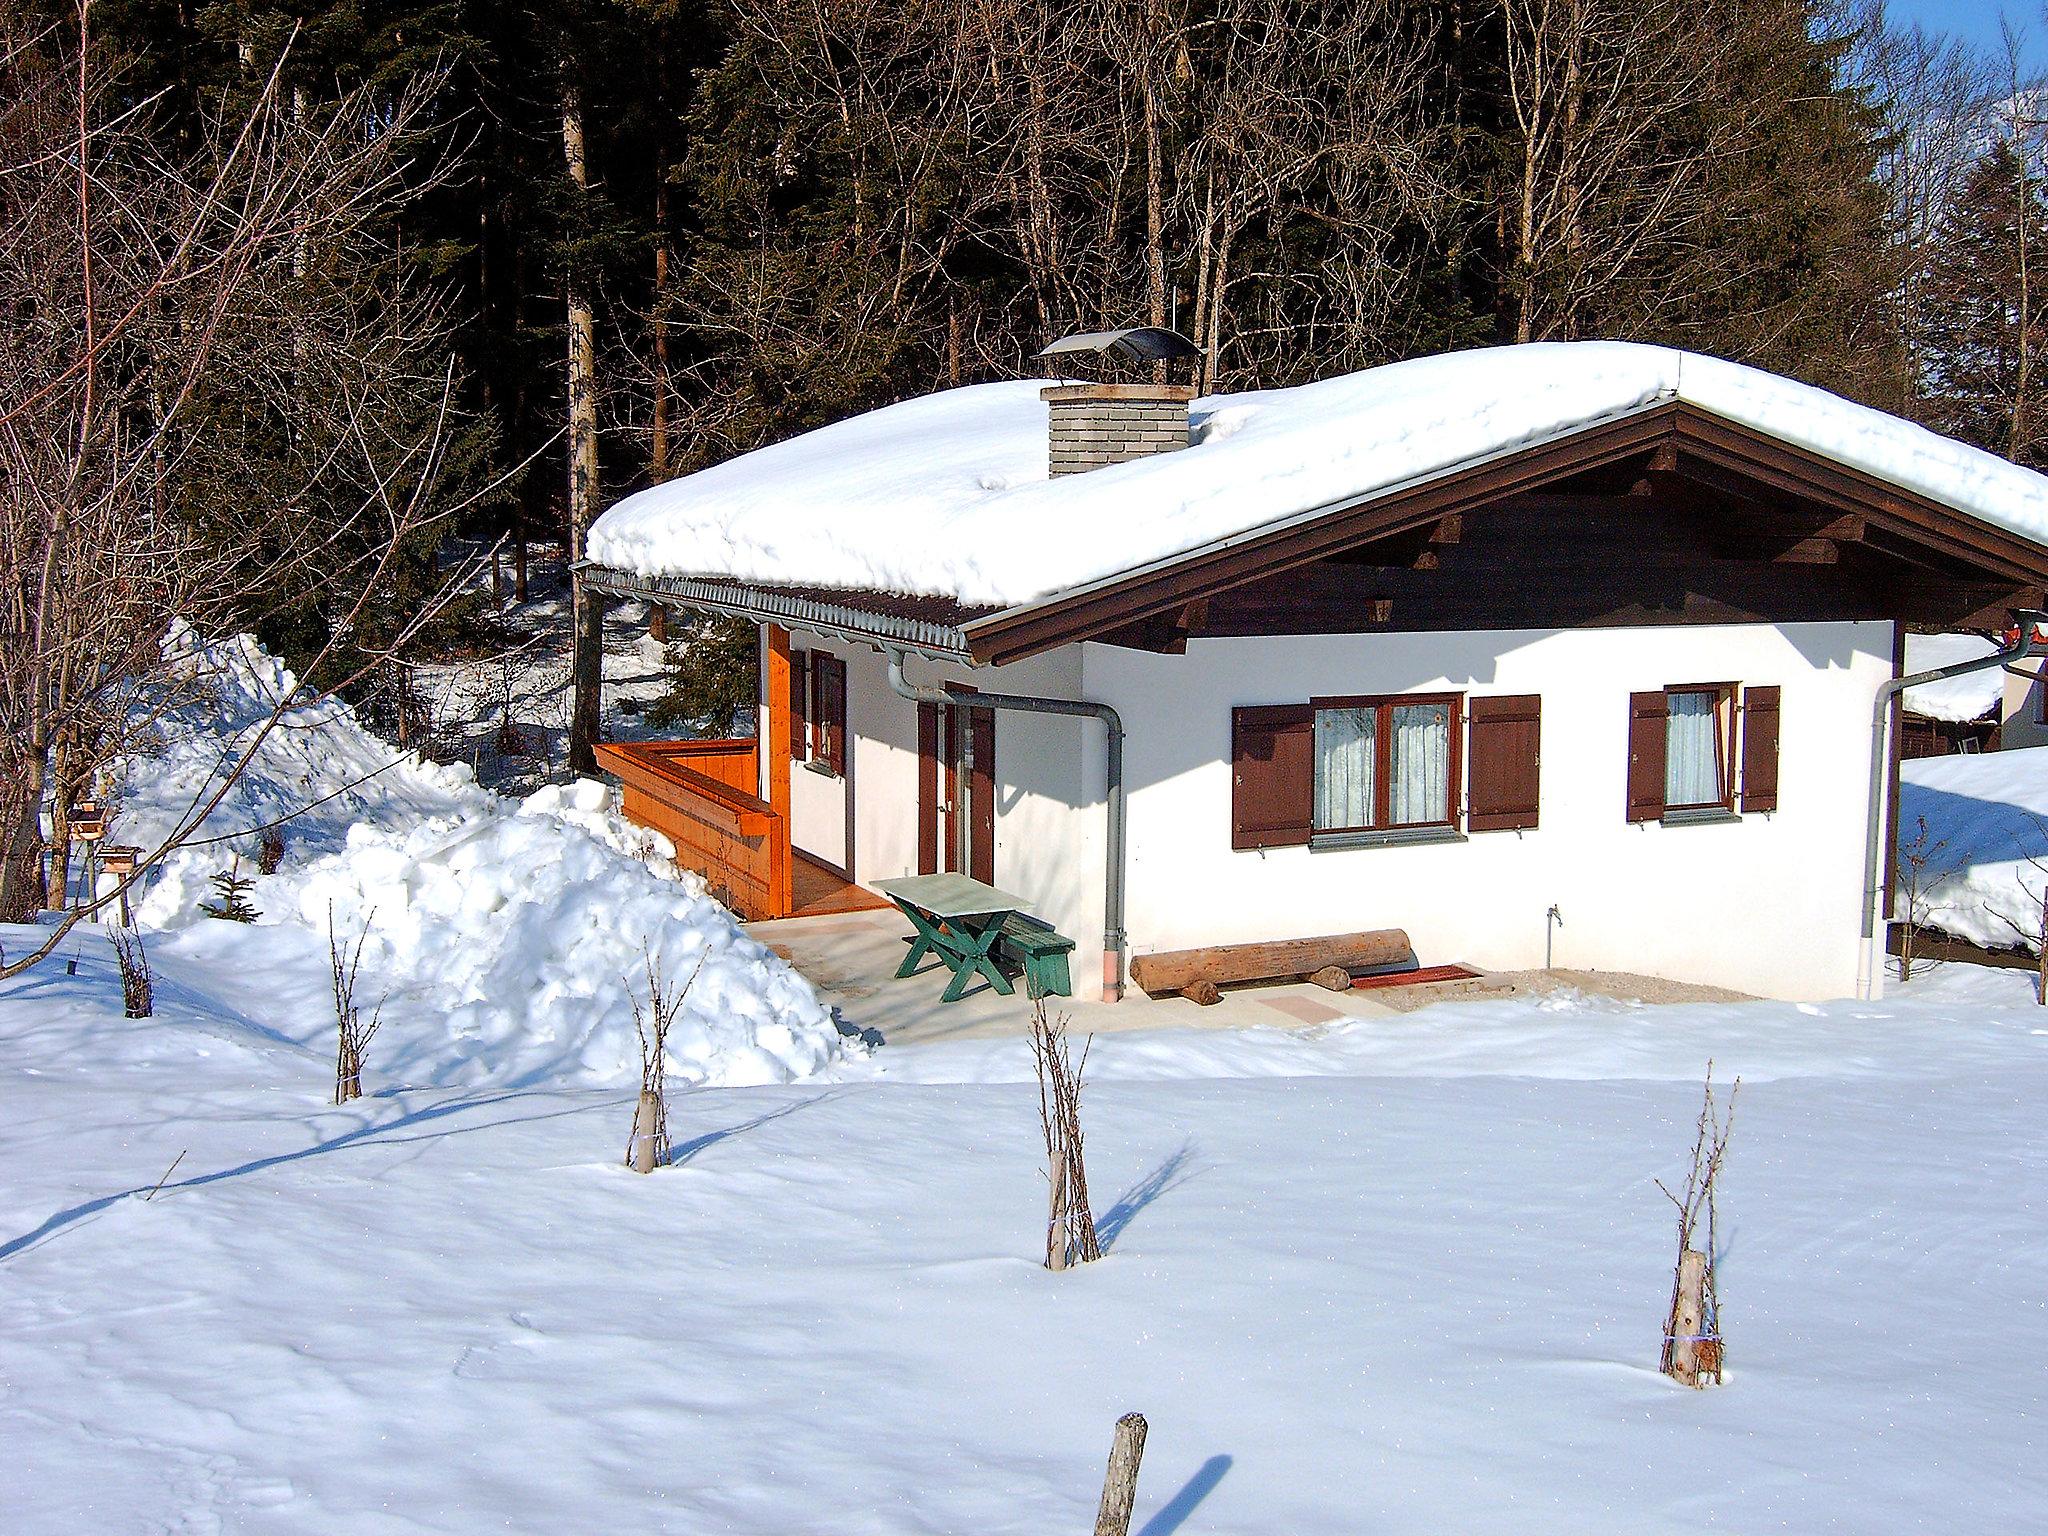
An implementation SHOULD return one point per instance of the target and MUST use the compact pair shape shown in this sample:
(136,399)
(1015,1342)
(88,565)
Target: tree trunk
(20,856)
(658,451)
(586,667)
(1056,1243)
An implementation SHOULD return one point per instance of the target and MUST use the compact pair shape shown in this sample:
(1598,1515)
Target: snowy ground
(1399,1276)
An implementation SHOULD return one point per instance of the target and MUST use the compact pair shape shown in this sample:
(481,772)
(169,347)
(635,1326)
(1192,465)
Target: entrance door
(956,790)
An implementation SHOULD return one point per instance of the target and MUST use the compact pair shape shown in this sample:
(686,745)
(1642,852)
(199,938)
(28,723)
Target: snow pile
(947,494)
(1957,699)
(318,766)
(1985,846)
(506,938)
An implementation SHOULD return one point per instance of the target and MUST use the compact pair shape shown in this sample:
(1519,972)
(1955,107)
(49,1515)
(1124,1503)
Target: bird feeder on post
(119,861)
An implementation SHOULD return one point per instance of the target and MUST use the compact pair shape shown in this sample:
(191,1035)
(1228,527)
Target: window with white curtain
(1695,754)
(1382,764)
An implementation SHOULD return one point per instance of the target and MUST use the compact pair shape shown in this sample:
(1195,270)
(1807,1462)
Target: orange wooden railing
(700,796)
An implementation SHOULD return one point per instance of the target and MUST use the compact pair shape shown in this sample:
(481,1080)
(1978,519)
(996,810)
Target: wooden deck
(816,891)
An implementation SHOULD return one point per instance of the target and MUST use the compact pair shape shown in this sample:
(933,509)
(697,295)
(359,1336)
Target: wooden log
(646,1116)
(1205,993)
(1688,1311)
(1332,978)
(1120,1484)
(1056,1224)
(1174,969)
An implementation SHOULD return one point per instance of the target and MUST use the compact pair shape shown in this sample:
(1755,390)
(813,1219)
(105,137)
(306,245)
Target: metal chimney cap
(1137,343)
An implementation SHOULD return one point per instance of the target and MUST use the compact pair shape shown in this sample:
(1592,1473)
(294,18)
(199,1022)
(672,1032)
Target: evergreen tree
(1988,315)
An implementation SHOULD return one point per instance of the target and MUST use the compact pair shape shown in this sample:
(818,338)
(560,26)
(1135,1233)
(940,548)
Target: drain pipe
(1113,938)
(2031,640)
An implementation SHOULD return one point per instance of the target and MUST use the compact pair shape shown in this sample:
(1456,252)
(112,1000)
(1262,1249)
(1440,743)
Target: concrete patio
(852,958)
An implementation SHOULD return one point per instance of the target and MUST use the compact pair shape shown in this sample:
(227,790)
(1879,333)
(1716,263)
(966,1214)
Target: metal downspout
(1874,862)
(1113,938)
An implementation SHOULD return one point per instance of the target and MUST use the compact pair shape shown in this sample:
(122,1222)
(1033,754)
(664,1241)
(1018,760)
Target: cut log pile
(1329,961)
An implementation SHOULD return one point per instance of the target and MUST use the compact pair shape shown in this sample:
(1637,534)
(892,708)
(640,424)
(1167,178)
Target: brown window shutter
(1760,711)
(799,706)
(1502,766)
(1272,775)
(927,789)
(1648,719)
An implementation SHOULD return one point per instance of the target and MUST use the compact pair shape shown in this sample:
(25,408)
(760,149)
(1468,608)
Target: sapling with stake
(1923,865)
(1070,1229)
(353,1032)
(138,985)
(648,1147)
(1692,1323)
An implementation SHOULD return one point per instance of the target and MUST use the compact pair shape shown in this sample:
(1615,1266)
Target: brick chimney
(1094,425)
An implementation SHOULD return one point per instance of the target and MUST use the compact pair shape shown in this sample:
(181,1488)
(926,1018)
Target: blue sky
(1976,21)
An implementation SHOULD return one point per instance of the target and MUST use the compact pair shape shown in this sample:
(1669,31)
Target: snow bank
(1957,699)
(1986,817)
(507,938)
(947,494)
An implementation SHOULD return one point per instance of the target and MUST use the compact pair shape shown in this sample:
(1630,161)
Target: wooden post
(646,1117)
(1688,1311)
(1120,1485)
(1056,1226)
(777,747)
(657,623)
(1205,994)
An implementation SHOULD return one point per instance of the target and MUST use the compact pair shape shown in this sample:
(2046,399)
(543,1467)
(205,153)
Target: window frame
(1725,745)
(827,744)
(1383,706)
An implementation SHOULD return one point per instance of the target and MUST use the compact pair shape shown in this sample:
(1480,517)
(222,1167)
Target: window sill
(1396,837)
(823,770)
(1710,815)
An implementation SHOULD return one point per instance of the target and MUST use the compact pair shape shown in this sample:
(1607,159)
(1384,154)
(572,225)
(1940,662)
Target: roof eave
(742,600)
(1075,613)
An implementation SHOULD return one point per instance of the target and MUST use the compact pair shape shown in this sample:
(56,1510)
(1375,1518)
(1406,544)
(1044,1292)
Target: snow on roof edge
(947,494)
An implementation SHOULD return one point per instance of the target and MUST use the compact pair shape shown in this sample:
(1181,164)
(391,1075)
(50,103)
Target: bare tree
(2029,924)
(1924,864)
(1600,179)
(353,1032)
(1070,1230)
(166,290)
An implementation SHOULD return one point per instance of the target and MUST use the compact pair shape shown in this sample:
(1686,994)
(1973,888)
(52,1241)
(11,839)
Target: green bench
(1040,952)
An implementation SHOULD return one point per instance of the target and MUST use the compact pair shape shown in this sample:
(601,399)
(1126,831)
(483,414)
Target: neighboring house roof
(1957,700)
(946,496)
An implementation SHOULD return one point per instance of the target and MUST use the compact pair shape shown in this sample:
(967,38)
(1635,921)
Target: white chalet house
(1584,631)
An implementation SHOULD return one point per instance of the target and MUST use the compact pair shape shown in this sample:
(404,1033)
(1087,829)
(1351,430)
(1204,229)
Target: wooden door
(956,799)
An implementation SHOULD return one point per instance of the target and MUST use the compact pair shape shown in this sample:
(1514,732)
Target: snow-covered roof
(1957,699)
(947,494)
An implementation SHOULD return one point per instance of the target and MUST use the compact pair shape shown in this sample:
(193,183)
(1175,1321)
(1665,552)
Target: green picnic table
(961,921)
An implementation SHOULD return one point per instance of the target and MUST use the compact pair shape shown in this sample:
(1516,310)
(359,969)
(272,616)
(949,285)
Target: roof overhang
(840,616)
(1113,602)
(945,630)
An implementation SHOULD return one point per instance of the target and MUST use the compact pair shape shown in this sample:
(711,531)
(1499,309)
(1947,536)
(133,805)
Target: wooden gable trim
(1015,633)
(1694,443)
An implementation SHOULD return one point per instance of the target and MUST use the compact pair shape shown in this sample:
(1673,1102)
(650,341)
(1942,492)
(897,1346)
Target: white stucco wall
(2020,720)
(1768,904)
